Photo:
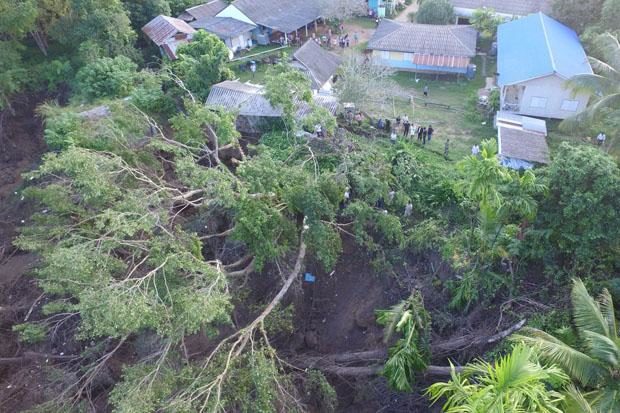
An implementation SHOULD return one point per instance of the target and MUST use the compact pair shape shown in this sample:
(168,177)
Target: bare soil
(21,146)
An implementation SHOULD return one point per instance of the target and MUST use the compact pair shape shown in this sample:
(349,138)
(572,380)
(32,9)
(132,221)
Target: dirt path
(404,15)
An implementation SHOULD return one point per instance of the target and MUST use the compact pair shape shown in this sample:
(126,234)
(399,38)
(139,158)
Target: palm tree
(595,362)
(602,87)
(517,382)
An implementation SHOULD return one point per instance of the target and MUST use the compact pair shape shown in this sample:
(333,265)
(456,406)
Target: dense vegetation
(157,226)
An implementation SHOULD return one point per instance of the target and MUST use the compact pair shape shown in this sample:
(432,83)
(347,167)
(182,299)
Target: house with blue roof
(536,55)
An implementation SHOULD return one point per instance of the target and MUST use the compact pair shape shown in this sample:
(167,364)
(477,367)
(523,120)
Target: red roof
(440,61)
(162,28)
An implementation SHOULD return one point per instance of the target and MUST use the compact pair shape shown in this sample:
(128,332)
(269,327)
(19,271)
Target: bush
(435,12)
(107,77)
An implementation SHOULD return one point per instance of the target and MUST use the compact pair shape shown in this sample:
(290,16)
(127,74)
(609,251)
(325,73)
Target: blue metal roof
(537,46)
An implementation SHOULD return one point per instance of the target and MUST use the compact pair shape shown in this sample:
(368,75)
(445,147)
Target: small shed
(255,112)
(424,48)
(521,141)
(168,34)
(236,34)
(318,64)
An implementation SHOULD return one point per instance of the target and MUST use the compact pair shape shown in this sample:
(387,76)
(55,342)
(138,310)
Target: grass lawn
(363,22)
(257,54)
(456,124)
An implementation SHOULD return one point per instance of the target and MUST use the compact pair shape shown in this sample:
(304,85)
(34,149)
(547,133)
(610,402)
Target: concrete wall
(552,91)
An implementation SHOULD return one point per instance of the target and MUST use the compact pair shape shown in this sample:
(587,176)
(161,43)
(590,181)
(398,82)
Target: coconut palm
(594,362)
(602,87)
(517,382)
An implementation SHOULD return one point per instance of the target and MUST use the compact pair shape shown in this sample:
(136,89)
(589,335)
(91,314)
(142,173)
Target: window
(408,57)
(538,102)
(570,105)
(385,55)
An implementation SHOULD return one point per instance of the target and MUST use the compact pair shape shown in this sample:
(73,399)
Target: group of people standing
(423,133)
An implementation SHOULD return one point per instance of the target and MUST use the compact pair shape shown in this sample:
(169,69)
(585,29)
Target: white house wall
(235,13)
(552,88)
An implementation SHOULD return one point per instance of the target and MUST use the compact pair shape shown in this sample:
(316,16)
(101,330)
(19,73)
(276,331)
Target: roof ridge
(451,29)
(544,28)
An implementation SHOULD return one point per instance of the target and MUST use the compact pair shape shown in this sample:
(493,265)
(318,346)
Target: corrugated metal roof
(282,15)
(425,39)
(208,9)
(249,100)
(441,61)
(509,119)
(319,63)
(520,144)
(223,27)
(537,46)
(512,7)
(162,28)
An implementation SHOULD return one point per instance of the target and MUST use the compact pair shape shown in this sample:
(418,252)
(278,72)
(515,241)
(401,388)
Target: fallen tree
(370,362)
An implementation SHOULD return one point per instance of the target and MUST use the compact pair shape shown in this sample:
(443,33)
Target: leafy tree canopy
(435,12)
(202,63)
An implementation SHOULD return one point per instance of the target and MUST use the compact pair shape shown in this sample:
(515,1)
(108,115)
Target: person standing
(424,133)
(475,150)
(600,139)
(430,131)
(406,127)
(420,130)
(425,91)
(319,130)
(393,136)
(446,148)
(408,209)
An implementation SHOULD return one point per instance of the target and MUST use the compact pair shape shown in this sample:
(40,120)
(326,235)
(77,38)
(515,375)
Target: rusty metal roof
(162,28)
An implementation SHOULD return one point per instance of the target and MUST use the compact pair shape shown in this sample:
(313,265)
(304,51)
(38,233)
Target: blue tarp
(309,277)
(536,46)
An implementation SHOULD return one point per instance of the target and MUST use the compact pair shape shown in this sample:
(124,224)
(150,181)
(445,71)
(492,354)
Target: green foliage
(142,11)
(320,116)
(321,392)
(435,12)
(593,362)
(578,14)
(505,199)
(486,21)
(285,86)
(202,63)
(610,16)
(411,352)
(13,73)
(107,77)
(102,24)
(517,382)
(200,124)
(30,333)
(579,219)
(101,212)
(149,95)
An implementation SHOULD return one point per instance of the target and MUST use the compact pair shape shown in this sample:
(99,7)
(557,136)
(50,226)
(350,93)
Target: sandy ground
(412,8)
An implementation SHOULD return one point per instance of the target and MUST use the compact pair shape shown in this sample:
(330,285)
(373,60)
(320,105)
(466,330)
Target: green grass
(261,68)
(457,125)
(363,22)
